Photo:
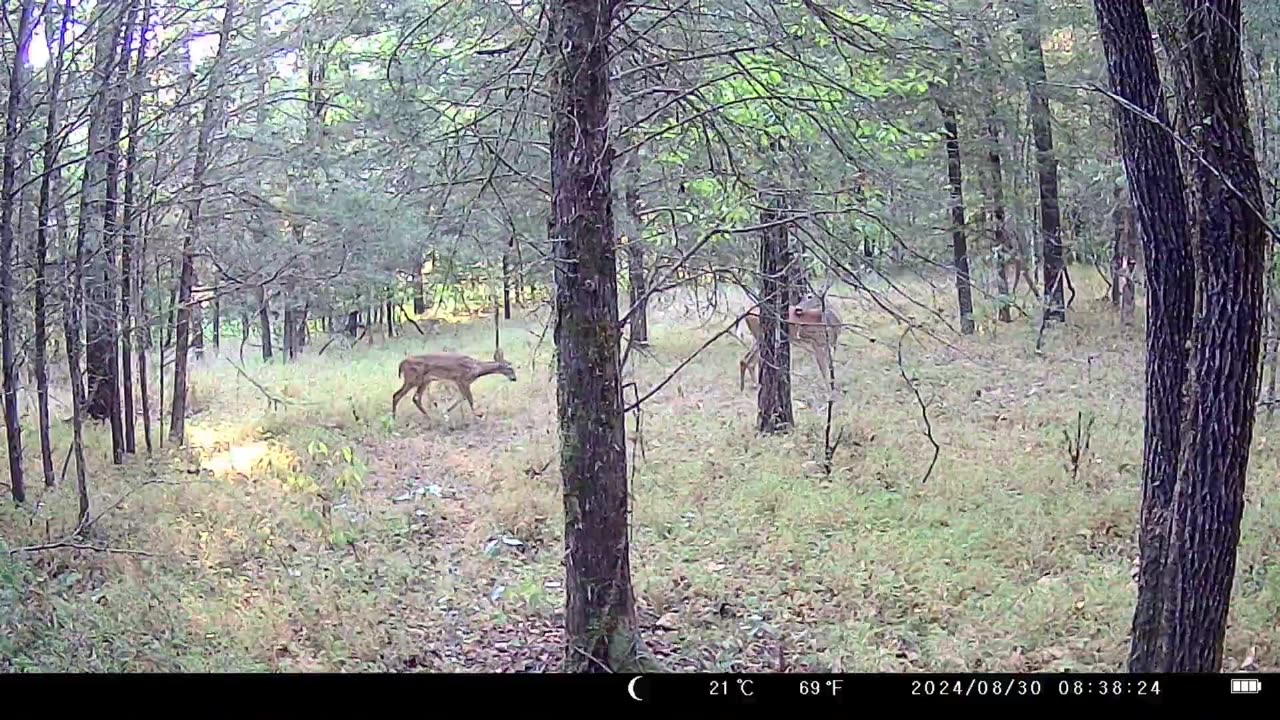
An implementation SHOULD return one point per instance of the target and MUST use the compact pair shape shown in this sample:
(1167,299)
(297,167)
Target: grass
(323,535)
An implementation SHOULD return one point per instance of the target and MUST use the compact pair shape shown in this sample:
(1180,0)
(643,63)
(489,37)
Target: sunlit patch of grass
(439,540)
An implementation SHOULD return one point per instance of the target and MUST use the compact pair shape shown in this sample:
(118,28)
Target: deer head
(503,366)
(812,304)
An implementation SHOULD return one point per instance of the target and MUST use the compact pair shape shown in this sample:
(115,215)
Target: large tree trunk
(600,620)
(1047,166)
(960,250)
(8,201)
(1198,444)
(1231,257)
(178,418)
(774,413)
(1156,186)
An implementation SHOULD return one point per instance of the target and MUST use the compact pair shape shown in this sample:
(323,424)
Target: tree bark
(1123,258)
(600,619)
(178,418)
(1046,164)
(959,248)
(1231,257)
(264,322)
(128,222)
(419,293)
(8,201)
(143,336)
(773,400)
(1004,250)
(1199,432)
(506,277)
(217,324)
(49,185)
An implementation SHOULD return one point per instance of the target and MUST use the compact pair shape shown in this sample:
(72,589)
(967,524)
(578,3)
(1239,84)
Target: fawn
(419,371)
(813,327)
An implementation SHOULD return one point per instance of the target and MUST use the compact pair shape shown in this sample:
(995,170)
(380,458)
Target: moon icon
(631,689)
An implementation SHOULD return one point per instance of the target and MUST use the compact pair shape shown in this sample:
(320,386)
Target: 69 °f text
(828,688)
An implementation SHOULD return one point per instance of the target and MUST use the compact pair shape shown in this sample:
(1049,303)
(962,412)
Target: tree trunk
(1047,166)
(9,198)
(197,319)
(773,400)
(1197,444)
(639,320)
(130,234)
(264,322)
(95,223)
(290,348)
(959,248)
(1004,250)
(143,337)
(1122,258)
(217,324)
(49,186)
(506,277)
(178,419)
(1231,257)
(419,293)
(600,619)
(112,236)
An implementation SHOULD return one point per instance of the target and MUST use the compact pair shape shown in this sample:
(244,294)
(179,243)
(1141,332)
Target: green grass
(322,535)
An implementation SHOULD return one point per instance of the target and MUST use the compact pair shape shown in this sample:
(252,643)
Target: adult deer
(419,371)
(814,325)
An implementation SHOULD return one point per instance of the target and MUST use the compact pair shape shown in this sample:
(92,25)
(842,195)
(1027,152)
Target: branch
(79,546)
(924,412)
(671,376)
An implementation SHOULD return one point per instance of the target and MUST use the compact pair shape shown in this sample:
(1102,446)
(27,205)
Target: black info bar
(344,694)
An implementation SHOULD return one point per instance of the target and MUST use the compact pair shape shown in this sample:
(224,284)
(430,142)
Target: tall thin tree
(8,202)
(1055,267)
(49,185)
(186,278)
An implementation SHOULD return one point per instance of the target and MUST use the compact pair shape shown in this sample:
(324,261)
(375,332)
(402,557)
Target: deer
(419,371)
(814,326)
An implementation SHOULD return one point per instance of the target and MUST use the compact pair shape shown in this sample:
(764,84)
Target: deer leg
(747,362)
(399,395)
(465,389)
(417,396)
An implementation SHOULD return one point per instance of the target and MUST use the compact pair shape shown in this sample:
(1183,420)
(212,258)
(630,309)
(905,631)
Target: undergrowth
(315,532)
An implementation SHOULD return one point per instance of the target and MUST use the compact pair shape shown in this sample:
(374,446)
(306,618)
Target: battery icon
(1245,686)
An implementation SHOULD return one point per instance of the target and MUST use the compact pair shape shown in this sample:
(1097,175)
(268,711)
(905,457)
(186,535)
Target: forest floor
(321,534)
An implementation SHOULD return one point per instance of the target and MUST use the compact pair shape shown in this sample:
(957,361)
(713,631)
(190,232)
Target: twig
(1260,216)
(671,376)
(924,412)
(272,400)
(79,546)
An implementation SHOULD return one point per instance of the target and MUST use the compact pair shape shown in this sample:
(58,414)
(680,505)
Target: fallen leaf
(668,622)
